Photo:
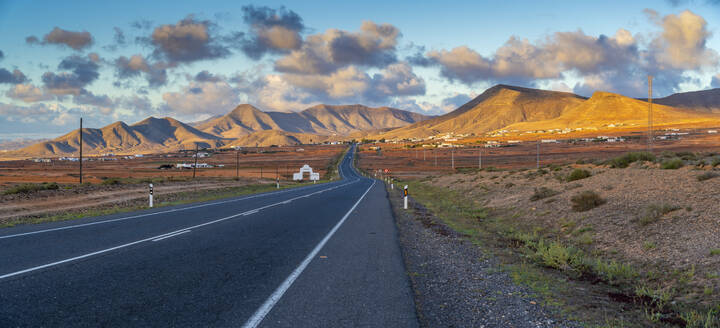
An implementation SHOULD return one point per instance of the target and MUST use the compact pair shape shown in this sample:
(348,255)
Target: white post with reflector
(151,195)
(406,196)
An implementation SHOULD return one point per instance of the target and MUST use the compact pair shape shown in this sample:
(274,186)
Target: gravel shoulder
(455,284)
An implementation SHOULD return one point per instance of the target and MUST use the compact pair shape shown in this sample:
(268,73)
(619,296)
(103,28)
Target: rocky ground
(456,285)
(625,225)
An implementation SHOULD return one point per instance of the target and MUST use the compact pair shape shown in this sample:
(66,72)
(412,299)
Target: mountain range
(243,126)
(512,108)
(502,107)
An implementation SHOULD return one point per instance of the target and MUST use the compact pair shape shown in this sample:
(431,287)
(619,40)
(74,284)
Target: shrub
(654,212)
(686,155)
(586,201)
(542,193)
(672,164)
(625,160)
(557,256)
(706,176)
(31,187)
(578,174)
(715,161)
(111,181)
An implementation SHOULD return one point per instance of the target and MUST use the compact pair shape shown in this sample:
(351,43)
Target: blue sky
(428,57)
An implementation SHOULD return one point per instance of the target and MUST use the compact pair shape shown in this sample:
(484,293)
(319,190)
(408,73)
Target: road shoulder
(455,284)
(360,268)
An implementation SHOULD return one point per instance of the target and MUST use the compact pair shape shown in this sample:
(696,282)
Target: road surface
(325,255)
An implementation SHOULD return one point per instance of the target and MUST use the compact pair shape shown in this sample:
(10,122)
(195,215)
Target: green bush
(715,161)
(706,176)
(578,174)
(654,212)
(111,181)
(625,160)
(586,201)
(31,187)
(542,193)
(672,164)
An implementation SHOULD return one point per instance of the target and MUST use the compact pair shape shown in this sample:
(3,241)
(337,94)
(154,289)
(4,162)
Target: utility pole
(237,164)
(196,156)
(261,172)
(480,158)
(81,144)
(538,155)
(435,152)
(452,156)
(424,155)
(650,122)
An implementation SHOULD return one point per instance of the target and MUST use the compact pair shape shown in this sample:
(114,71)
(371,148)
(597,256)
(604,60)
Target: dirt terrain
(649,243)
(411,160)
(123,183)
(254,163)
(94,196)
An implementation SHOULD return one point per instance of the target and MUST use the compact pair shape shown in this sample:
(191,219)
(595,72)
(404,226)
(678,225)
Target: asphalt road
(326,255)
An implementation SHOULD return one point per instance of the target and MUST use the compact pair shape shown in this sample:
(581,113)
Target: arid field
(603,230)
(35,190)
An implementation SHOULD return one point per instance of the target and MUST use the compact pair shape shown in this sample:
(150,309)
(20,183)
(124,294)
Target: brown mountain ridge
(243,126)
(511,108)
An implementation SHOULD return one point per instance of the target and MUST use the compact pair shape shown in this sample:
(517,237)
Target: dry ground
(254,163)
(660,226)
(124,183)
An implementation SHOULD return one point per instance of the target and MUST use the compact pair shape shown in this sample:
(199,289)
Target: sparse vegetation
(672,164)
(27,188)
(648,245)
(586,201)
(578,174)
(715,161)
(654,212)
(625,160)
(706,176)
(542,193)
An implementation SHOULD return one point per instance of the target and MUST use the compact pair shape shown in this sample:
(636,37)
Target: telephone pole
(196,156)
(650,118)
(538,155)
(452,156)
(237,164)
(81,144)
(480,158)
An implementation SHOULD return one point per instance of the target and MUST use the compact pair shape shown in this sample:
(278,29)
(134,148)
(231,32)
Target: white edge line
(172,235)
(12,274)
(265,308)
(150,214)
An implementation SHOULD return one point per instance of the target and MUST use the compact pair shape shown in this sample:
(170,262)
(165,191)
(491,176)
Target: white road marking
(251,212)
(265,308)
(171,235)
(151,214)
(12,274)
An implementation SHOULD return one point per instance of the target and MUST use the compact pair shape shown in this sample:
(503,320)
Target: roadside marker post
(151,195)
(277,182)
(406,196)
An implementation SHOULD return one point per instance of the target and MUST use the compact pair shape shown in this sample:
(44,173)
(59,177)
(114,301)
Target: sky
(191,60)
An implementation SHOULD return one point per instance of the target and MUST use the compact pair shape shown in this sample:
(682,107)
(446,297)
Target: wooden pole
(650,118)
(81,147)
(237,164)
(196,156)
